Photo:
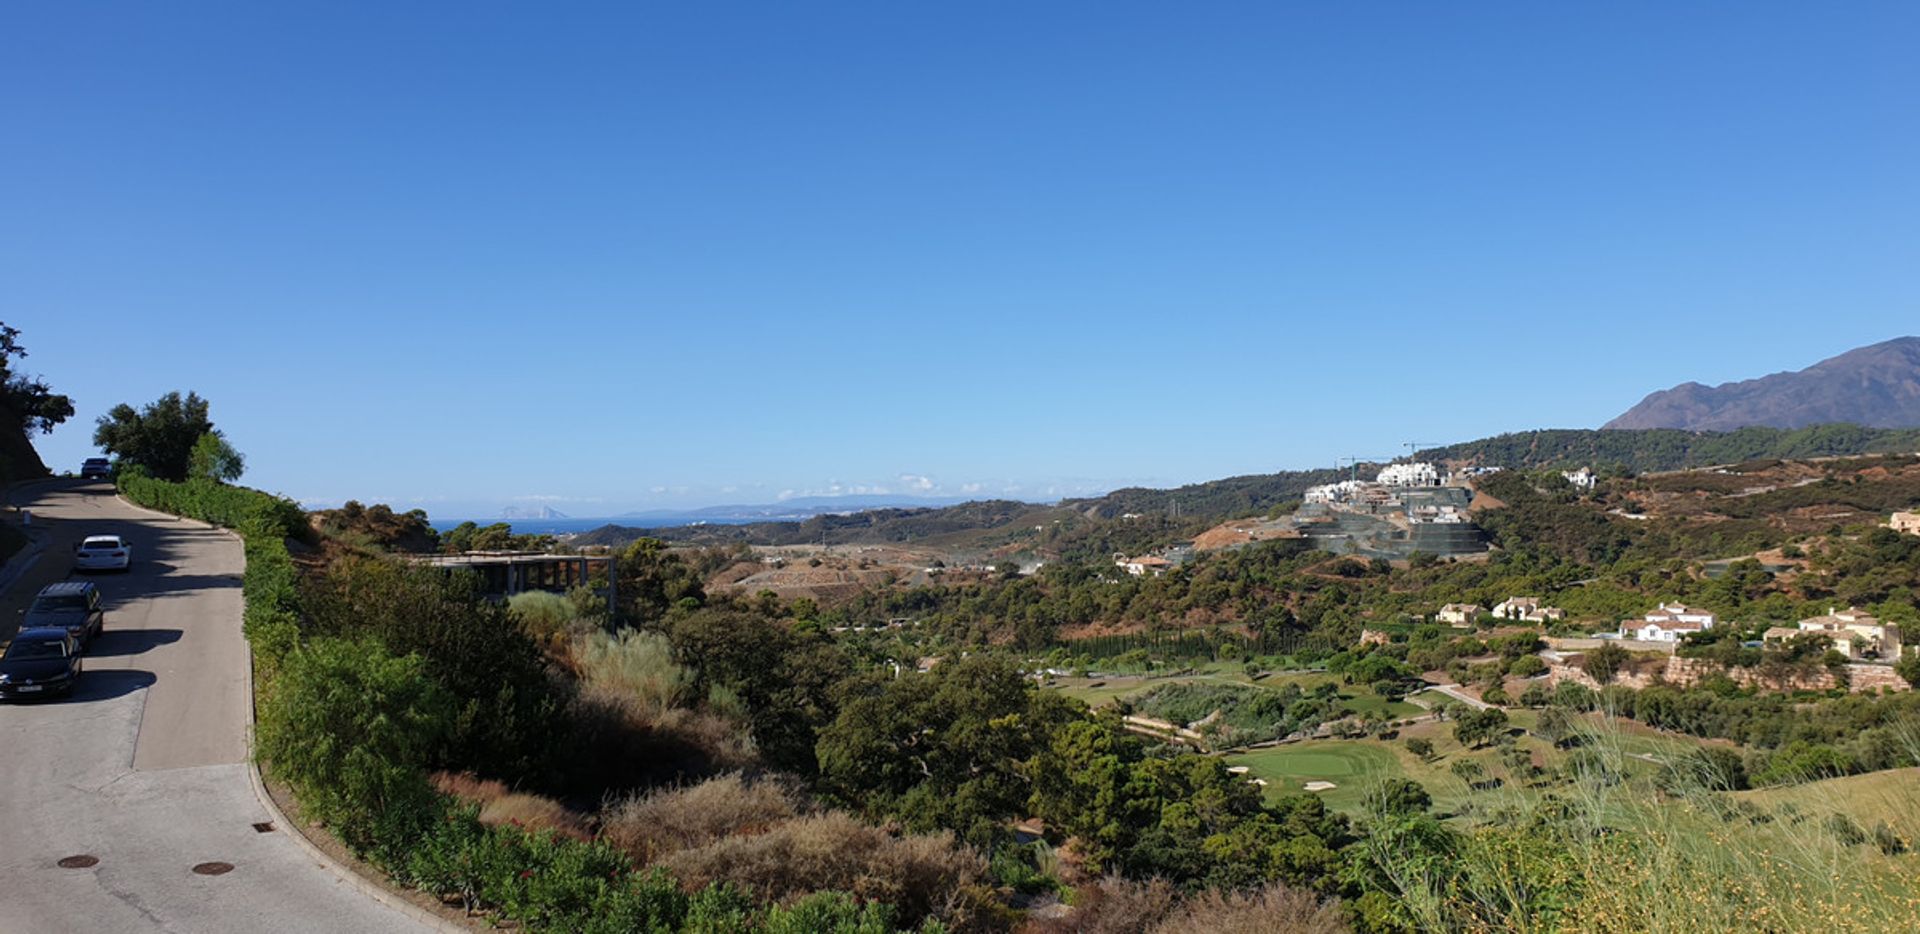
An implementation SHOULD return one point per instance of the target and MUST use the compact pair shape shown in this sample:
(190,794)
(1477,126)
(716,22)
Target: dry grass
(918,875)
(501,806)
(656,825)
(622,744)
(1276,909)
(1112,905)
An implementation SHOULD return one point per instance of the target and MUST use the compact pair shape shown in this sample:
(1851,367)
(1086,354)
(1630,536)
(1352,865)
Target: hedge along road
(144,768)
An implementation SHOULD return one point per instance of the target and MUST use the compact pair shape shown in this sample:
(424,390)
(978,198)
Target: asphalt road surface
(143,770)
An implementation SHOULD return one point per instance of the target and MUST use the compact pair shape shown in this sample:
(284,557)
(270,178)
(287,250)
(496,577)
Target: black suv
(70,605)
(96,468)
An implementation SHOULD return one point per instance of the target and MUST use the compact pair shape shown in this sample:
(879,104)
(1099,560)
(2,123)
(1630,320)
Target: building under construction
(1392,519)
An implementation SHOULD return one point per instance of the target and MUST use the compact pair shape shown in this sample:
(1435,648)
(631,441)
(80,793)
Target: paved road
(1454,691)
(144,768)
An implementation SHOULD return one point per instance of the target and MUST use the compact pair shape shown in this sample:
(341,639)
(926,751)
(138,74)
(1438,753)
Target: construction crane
(1413,447)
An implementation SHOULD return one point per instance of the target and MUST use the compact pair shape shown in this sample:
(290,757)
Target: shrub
(1273,908)
(637,664)
(547,618)
(653,826)
(351,727)
(508,723)
(1113,905)
(829,913)
(916,874)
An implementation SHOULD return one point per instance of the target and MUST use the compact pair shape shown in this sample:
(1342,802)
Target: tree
(214,459)
(1555,726)
(1468,770)
(1480,726)
(1420,747)
(1603,663)
(946,749)
(159,438)
(653,580)
(25,397)
(1398,797)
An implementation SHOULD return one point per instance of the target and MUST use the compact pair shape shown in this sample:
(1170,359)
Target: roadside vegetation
(695,760)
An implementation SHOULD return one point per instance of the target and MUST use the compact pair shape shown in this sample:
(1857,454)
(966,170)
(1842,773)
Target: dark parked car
(38,663)
(96,468)
(71,606)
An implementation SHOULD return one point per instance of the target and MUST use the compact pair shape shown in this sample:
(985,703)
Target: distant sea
(572,526)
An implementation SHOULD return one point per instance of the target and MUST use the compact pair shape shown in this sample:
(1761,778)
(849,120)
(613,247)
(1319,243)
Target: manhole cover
(213,869)
(82,861)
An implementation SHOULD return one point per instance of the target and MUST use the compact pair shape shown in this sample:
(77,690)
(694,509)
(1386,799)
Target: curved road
(144,768)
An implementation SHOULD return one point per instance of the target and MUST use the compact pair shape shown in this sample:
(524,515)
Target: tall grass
(636,665)
(1612,851)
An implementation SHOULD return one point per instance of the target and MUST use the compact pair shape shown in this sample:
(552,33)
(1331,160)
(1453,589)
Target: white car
(103,553)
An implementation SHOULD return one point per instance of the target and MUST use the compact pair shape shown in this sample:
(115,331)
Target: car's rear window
(44,648)
(61,602)
(101,543)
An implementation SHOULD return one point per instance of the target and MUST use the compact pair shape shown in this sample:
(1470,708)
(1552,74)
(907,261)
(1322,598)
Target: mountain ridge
(1876,386)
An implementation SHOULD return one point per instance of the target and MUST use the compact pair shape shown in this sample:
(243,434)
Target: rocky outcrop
(1686,672)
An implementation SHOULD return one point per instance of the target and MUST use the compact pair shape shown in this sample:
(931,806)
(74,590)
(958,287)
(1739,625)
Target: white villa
(1582,479)
(1668,623)
(1143,566)
(1908,522)
(1458,614)
(1853,633)
(1528,610)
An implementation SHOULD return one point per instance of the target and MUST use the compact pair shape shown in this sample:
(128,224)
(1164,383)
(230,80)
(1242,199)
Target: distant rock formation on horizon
(1876,386)
(543,513)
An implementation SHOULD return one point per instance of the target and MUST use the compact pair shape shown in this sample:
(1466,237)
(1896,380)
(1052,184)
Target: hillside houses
(1668,623)
(1908,522)
(1143,566)
(1582,479)
(1458,614)
(1852,633)
(1527,610)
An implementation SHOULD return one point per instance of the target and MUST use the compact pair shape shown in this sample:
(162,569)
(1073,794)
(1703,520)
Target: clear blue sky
(621,256)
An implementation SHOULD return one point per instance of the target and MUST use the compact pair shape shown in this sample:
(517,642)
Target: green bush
(352,729)
(835,912)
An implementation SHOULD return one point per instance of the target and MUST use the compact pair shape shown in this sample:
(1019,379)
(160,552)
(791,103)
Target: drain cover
(83,861)
(215,868)
(265,826)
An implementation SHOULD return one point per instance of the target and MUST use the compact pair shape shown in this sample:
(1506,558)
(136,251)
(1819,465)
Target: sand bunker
(1321,786)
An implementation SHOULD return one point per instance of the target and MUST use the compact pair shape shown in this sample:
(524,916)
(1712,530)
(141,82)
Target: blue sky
(620,256)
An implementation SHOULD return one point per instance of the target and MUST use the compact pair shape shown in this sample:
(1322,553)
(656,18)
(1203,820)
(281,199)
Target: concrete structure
(1416,474)
(1527,610)
(505,573)
(1852,633)
(1668,624)
(1458,614)
(1908,522)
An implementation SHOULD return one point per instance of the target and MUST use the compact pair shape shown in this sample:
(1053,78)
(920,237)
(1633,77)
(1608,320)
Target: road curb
(294,832)
(346,874)
(298,835)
